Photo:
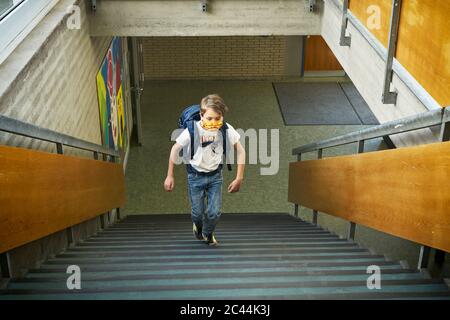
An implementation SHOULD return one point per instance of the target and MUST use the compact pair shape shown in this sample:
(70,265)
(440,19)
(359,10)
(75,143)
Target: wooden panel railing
(42,193)
(423,39)
(375,15)
(423,45)
(403,192)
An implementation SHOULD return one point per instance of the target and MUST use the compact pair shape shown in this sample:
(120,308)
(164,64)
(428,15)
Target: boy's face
(211,120)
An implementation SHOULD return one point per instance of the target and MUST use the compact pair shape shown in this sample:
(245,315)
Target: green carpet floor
(253,104)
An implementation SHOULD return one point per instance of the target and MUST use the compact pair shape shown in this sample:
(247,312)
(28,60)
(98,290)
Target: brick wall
(234,57)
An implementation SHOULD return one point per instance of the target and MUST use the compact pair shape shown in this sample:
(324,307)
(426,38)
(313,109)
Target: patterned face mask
(211,125)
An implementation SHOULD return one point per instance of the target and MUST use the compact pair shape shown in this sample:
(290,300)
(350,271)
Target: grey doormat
(322,103)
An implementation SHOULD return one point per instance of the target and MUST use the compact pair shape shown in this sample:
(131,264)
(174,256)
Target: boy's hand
(235,185)
(169,183)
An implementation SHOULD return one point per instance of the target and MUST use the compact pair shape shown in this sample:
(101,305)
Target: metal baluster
(5,264)
(352,226)
(388,96)
(345,41)
(439,255)
(296,206)
(315,213)
(69,230)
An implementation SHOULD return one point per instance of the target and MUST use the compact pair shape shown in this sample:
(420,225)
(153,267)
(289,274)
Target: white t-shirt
(206,158)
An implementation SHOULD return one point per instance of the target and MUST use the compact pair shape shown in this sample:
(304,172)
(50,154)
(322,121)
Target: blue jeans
(209,188)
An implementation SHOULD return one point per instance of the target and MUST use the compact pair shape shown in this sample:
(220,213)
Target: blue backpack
(187,121)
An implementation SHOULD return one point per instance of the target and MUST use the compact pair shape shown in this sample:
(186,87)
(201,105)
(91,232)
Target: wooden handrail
(403,192)
(42,193)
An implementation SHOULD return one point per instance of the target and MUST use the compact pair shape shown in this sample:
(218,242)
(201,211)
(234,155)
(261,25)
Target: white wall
(366,69)
(57,87)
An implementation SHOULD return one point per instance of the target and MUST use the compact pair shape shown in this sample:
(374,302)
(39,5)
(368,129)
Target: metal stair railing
(29,130)
(428,119)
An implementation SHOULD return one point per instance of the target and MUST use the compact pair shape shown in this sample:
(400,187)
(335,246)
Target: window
(6,6)
(17,19)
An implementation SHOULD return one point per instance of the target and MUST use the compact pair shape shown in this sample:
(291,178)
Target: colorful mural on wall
(110,98)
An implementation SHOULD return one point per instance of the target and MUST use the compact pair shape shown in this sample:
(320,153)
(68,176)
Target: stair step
(223,261)
(87,274)
(183,226)
(189,235)
(195,244)
(193,253)
(260,257)
(190,238)
(190,260)
(200,265)
(227,274)
(201,248)
(218,283)
(270,291)
(188,231)
(242,217)
(211,252)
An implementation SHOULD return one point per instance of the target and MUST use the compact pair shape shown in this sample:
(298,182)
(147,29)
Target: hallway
(252,104)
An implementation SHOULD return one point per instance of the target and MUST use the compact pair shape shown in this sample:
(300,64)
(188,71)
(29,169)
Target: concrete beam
(185,18)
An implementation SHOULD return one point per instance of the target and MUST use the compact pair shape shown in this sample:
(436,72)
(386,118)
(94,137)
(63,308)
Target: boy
(205,168)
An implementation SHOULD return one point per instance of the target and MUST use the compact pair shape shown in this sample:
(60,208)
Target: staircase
(260,256)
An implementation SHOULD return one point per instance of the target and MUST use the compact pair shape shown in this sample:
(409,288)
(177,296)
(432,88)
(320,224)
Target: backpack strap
(190,126)
(223,129)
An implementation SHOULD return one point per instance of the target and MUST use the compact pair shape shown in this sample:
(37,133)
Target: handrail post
(424,256)
(69,230)
(445,131)
(296,206)
(439,255)
(315,212)
(59,148)
(389,97)
(352,226)
(5,264)
(314,219)
(345,41)
(102,221)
